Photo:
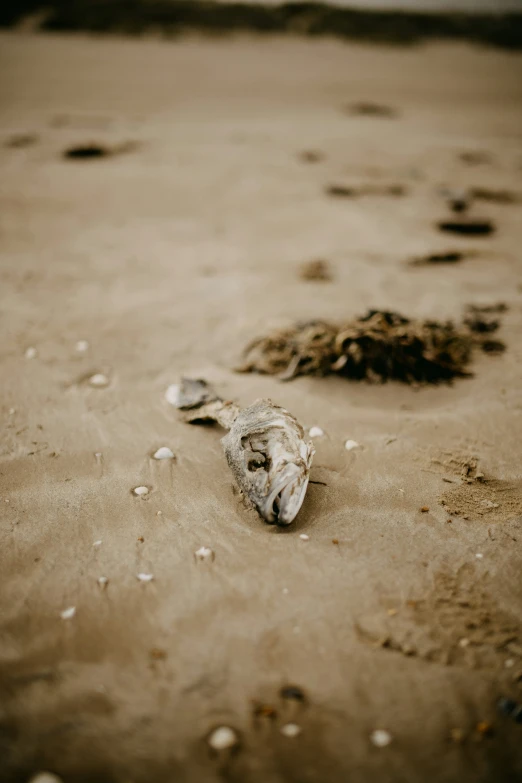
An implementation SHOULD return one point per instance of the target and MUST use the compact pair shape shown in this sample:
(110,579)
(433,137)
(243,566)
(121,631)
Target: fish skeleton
(265,449)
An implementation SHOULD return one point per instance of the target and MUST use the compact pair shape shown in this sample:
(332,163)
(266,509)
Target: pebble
(103,581)
(31,353)
(163,453)
(223,738)
(68,613)
(464,642)
(145,577)
(479,555)
(141,491)
(380,738)
(291,730)
(97,543)
(45,777)
(304,537)
(82,346)
(12,411)
(204,552)
(316,432)
(351,444)
(509,663)
(99,380)
(172,394)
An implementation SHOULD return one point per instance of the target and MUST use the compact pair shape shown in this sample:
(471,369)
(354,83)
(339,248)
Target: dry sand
(167,258)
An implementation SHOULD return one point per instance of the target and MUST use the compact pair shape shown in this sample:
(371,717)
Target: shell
(270,460)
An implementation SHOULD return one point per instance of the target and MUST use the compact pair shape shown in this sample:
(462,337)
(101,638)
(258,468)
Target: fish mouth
(285,500)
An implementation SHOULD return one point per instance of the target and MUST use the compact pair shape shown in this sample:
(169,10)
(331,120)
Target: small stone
(163,453)
(509,663)
(351,444)
(204,553)
(380,738)
(68,613)
(479,555)
(425,509)
(141,539)
(464,643)
(103,581)
(223,738)
(97,543)
(98,454)
(145,577)
(315,432)
(31,353)
(392,612)
(291,730)
(12,411)
(304,537)
(484,728)
(99,380)
(335,541)
(81,346)
(159,513)
(141,491)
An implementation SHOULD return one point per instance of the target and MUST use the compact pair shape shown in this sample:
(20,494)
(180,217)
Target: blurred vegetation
(174,17)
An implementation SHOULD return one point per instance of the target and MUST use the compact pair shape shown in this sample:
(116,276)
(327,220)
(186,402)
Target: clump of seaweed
(378,347)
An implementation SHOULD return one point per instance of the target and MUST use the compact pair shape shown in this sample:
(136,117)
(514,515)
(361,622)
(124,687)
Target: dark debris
(379,347)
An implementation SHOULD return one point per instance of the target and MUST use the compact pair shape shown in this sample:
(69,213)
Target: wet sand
(167,258)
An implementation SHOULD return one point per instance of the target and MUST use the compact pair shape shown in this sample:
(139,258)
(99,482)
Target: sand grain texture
(167,260)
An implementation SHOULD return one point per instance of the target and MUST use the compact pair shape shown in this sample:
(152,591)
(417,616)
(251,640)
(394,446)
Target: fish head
(270,459)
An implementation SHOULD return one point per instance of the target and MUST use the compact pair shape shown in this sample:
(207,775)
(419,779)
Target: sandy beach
(164,259)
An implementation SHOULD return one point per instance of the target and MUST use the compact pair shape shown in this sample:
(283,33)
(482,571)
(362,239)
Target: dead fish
(266,452)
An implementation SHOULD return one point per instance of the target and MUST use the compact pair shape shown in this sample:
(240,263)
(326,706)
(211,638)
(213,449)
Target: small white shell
(99,380)
(145,577)
(291,730)
(304,537)
(380,738)
(351,444)
(68,613)
(204,553)
(163,453)
(316,432)
(222,738)
(141,491)
(103,581)
(172,394)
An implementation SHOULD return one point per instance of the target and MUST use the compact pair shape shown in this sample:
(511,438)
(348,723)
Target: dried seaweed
(448,257)
(379,347)
(356,191)
(368,109)
(467,226)
(316,271)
